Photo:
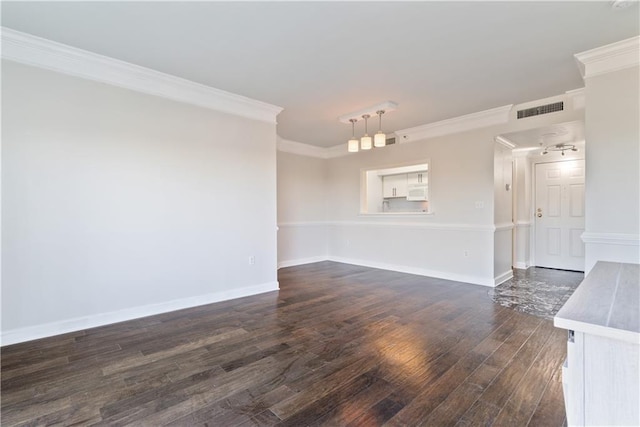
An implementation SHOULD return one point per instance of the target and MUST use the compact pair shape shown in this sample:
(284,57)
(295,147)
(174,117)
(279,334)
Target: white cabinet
(600,374)
(417,178)
(394,186)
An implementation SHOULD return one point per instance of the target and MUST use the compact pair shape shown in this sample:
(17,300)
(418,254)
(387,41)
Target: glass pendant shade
(365,142)
(353,145)
(379,139)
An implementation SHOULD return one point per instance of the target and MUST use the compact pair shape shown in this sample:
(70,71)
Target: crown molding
(38,52)
(294,147)
(577,97)
(612,57)
(505,142)
(494,116)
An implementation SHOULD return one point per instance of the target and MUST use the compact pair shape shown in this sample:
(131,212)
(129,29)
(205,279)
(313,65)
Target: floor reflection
(538,291)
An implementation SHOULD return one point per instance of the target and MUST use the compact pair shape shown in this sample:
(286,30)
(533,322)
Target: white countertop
(607,303)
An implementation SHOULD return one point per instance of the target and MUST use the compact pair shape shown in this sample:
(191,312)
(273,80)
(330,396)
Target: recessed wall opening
(396,190)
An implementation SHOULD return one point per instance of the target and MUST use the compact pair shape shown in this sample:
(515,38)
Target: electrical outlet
(466,253)
(479,205)
(252,260)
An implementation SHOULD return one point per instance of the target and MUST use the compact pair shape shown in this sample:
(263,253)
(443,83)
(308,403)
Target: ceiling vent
(391,140)
(541,109)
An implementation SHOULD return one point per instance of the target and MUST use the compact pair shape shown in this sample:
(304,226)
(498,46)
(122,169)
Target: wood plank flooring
(338,345)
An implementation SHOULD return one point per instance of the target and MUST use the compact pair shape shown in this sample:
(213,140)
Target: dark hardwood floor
(339,345)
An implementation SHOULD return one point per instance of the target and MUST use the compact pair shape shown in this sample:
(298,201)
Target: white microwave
(417,192)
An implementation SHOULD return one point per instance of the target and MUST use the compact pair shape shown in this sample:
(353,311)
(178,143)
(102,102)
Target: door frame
(540,159)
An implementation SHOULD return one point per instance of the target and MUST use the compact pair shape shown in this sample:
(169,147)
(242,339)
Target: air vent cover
(391,141)
(541,109)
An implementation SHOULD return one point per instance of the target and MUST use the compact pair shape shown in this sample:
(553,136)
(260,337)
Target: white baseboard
(79,323)
(503,277)
(521,265)
(475,280)
(301,261)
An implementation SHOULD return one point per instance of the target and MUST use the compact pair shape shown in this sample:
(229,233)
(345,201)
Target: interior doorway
(554,156)
(559,215)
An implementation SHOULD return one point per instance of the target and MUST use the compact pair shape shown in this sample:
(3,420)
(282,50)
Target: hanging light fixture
(353,142)
(379,139)
(562,147)
(365,141)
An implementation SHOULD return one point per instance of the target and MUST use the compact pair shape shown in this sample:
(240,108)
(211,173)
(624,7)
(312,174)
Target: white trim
(80,323)
(408,224)
(578,98)
(35,51)
(302,224)
(438,226)
(337,151)
(505,226)
(501,278)
(611,239)
(523,224)
(521,265)
(612,57)
(294,147)
(301,261)
(474,280)
(505,142)
(395,214)
(494,116)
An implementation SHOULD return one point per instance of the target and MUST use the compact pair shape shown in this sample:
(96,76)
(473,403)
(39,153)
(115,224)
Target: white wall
(461,173)
(612,198)
(459,241)
(503,214)
(522,174)
(302,198)
(118,204)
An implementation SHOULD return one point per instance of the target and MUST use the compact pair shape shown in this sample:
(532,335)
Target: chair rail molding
(39,52)
(415,224)
(611,238)
(504,226)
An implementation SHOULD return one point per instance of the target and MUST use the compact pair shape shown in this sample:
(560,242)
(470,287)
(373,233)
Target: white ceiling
(321,60)
(569,132)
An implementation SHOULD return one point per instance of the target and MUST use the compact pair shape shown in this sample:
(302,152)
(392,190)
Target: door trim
(532,213)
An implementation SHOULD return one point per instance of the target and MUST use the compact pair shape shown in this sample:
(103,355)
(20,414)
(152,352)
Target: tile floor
(538,291)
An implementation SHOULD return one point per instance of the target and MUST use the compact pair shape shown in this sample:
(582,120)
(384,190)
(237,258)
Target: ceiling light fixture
(559,147)
(353,142)
(379,139)
(365,141)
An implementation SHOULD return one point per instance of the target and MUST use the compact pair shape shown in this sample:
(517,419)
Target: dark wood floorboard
(338,345)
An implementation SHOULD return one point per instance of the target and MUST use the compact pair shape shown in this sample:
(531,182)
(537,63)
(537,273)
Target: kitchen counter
(607,303)
(601,375)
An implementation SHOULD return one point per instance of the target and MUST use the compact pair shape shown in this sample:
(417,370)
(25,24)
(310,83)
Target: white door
(559,215)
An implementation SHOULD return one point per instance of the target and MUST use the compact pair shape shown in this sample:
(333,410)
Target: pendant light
(353,142)
(365,141)
(380,139)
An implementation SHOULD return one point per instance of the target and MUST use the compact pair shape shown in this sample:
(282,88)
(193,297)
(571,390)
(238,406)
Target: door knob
(539,214)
